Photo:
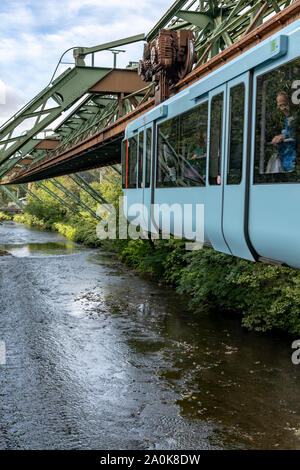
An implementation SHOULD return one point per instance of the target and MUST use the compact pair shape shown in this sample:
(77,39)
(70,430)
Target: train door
(274,222)
(215,176)
(147,180)
(235,173)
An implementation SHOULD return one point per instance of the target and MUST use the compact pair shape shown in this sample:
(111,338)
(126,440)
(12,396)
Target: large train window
(236,134)
(148,157)
(182,148)
(141,158)
(215,146)
(277,137)
(129,163)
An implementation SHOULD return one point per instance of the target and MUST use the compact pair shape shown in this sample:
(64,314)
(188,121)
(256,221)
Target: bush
(266,296)
(4,216)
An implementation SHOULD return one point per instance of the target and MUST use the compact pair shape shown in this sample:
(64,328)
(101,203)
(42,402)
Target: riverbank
(265,297)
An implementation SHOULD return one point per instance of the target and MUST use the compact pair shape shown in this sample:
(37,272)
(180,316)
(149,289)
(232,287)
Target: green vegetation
(4,216)
(266,297)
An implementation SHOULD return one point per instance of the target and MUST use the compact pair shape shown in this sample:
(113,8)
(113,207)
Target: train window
(148,157)
(123,160)
(236,135)
(141,157)
(131,162)
(215,146)
(182,148)
(277,149)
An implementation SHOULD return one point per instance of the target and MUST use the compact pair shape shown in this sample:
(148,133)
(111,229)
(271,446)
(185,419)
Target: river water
(99,358)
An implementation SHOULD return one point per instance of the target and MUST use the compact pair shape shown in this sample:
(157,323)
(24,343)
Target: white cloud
(13,101)
(32,41)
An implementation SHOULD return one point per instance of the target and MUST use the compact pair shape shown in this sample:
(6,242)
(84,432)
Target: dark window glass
(215,146)
(236,136)
(182,147)
(123,160)
(277,125)
(131,163)
(141,157)
(148,156)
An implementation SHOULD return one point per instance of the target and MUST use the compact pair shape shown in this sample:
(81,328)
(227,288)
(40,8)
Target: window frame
(267,178)
(218,182)
(197,105)
(244,134)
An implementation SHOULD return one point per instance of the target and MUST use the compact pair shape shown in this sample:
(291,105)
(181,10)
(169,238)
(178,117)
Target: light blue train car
(230,142)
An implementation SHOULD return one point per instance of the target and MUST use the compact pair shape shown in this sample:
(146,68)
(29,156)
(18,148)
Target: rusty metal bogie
(167,59)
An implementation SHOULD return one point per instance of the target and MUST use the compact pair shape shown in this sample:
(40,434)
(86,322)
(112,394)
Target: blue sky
(34,34)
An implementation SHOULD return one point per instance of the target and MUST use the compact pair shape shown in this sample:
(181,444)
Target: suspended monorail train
(230,142)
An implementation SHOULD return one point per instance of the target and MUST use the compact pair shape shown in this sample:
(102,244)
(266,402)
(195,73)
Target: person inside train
(196,163)
(286,140)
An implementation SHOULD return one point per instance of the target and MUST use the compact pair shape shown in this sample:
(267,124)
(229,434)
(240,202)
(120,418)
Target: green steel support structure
(55,196)
(73,197)
(116,169)
(14,198)
(28,191)
(80,181)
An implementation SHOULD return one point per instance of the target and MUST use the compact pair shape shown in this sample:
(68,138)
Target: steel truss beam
(14,198)
(89,189)
(28,191)
(55,196)
(74,197)
(65,91)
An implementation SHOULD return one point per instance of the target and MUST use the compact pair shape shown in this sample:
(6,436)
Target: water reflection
(243,383)
(41,249)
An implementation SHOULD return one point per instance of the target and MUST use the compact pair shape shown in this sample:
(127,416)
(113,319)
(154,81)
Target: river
(98,357)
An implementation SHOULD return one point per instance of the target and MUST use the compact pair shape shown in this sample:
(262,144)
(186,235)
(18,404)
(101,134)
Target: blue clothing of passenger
(287,150)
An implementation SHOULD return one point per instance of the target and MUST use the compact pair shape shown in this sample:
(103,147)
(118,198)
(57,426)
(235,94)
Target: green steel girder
(13,160)
(69,87)
(80,181)
(87,127)
(116,170)
(216,23)
(14,198)
(68,132)
(58,198)
(73,197)
(80,52)
(165,19)
(32,194)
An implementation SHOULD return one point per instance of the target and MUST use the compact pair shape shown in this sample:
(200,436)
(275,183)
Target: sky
(34,35)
